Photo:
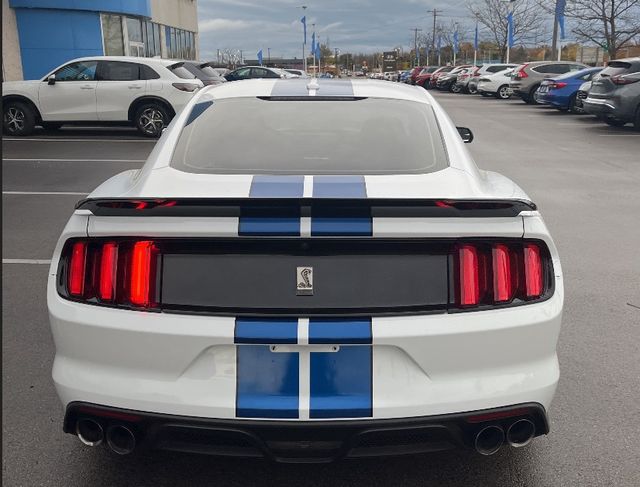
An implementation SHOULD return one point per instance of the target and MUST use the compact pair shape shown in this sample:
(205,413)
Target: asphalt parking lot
(584,176)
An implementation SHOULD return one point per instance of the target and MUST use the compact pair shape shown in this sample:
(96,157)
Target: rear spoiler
(374,207)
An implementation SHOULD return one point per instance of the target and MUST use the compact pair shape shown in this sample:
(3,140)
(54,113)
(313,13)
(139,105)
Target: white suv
(102,90)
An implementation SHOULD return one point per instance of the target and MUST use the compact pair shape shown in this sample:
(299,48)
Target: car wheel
(504,92)
(51,125)
(472,91)
(614,123)
(573,106)
(531,98)
(18,119)
(150,119)
(455,88)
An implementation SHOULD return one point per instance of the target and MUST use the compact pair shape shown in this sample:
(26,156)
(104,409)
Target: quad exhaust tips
(489,440)
(90,432)
(521,433)
(121,439)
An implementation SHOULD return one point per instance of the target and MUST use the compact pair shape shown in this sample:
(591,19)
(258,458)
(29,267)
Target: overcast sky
(351,25)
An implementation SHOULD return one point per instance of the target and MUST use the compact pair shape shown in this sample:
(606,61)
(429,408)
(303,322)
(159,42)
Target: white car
(145,92)
(263,287)
(496,84)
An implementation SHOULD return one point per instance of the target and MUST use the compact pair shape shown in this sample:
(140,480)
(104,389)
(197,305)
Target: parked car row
(612,93)
(104,90)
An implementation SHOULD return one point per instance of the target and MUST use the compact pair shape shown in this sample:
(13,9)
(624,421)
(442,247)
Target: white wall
(11,60)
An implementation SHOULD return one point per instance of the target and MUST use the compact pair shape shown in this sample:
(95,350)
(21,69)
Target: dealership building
(38,35)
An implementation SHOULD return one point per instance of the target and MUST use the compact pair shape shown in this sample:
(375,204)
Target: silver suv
(527,77)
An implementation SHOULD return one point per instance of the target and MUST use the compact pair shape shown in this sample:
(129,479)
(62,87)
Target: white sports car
(307,270)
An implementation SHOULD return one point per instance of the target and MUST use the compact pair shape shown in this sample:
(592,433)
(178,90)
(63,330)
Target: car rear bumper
(305,442)
(423,365)
(609,107)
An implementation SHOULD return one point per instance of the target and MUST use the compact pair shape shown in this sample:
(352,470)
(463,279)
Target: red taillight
(118,273)
(533,271)
(469,270)
(624,80)
(522,74)
(77,268)
(142,273)
(499,273)
(557,85)
(502,283)
(108,270)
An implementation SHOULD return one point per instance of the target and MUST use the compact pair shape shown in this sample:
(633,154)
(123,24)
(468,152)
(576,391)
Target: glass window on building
(112,35)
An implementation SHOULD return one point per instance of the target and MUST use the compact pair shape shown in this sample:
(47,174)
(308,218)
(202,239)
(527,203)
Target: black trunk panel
(349,276)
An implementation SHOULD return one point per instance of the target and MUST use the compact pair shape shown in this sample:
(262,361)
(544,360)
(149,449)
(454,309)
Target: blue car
(561,92)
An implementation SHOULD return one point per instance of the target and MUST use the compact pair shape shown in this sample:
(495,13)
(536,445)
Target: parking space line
(618,135)
(75,160)
(27,261)
(26,139)
(45,193)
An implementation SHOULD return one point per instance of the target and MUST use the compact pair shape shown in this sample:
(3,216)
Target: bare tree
(609,23)
(528,19)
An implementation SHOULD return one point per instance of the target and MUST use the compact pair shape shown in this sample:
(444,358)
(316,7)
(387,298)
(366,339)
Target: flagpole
(304,41)
(313,53)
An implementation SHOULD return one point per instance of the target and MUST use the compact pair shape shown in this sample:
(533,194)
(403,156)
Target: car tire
(503,93)
(51,125)
(472,91)
(18,119)
(455,88)
(151,119)
(531,97)
(614,123)
(573,107)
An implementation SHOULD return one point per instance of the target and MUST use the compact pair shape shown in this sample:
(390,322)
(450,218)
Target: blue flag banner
(475,39)
(455,42)
(318,50)
(560,6)
(313,43)
(260,57)
(304,26)
(561,24)
(510,29)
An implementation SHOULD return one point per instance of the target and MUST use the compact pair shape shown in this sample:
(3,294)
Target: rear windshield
(360,136)
(615,68)
(181,71)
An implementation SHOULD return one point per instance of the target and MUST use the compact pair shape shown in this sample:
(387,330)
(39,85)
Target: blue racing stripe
(339,187)
(334,88)
(267,186)
(284,222)
(267,383)
(264,331)
(335,331)
(341,383)
(346,222)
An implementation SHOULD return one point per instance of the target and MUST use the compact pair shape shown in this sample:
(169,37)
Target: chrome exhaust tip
(121,439)
(90,432)
(520,433)
(489,440)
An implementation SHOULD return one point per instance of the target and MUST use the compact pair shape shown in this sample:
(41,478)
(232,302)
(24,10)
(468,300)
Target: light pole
(304,41)
(268,56)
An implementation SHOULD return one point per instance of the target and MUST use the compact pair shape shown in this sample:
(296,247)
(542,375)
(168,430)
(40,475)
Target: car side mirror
(466,134)
(51,80)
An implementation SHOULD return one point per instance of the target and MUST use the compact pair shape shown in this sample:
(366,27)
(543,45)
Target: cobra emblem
(305,276)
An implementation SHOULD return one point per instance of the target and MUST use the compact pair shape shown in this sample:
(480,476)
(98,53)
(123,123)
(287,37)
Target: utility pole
(241,58)
(336,62)
(435,12)
(268,56)
(415,45)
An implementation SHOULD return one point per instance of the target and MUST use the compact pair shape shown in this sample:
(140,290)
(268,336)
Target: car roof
(296,87)
(130,59)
